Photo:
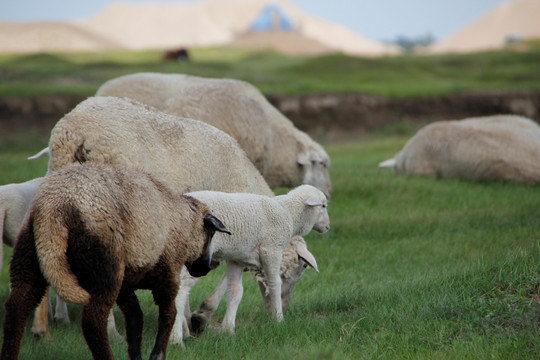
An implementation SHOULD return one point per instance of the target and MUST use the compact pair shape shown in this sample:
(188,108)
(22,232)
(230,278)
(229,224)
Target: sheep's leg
(201,318)
(182,303)
(234,294)
(133,317)
(27,289)
(111,327)
(94,325)
(40,326)
(164,294)
(61,313)
(271,264)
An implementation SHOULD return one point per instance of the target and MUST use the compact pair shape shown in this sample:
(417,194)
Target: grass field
(410,75)
(412,268)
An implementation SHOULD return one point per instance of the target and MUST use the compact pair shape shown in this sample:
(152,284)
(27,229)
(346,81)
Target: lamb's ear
(303,252)
(212,222)
(313,201)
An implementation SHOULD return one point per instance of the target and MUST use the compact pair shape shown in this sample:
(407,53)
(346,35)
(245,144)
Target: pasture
(412,268)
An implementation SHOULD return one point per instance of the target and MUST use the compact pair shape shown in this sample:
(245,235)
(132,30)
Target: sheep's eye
(323,205)
(305,265)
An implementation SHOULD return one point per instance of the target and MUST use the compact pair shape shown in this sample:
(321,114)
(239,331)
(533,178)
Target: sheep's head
(313,163)
(320,207)
(203,264)
(296,259)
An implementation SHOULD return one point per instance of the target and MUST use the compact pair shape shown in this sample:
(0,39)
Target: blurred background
(338,69)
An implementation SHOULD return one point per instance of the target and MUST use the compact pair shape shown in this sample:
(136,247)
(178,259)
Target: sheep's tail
(388,163)
(51,247)
(40,154)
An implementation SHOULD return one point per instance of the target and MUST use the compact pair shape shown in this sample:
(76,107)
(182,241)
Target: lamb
(186,155)
(96,234)
(284,155)
(502,147)
(262,228)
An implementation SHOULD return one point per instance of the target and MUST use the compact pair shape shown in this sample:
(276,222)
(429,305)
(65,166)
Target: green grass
(410,75)
(412,268)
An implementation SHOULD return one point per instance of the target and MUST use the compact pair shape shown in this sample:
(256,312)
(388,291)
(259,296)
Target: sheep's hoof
(115,335)
(199,322)
(42,335)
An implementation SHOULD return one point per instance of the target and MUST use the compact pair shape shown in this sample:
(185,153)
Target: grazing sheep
(502,147)
(262,227)
(285,155)
(186,155)
(96,234)
(296,258)
(122,131)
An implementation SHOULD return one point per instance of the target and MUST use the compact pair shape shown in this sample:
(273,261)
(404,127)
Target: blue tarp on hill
(272,17)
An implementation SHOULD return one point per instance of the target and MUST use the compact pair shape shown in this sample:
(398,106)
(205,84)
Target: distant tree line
(408,44)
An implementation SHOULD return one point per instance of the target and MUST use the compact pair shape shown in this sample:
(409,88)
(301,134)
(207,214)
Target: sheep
(97,233)
(262,228)
(122,131)
(14,203)
(502,147)
(285,155)
(186,155)
(296,258)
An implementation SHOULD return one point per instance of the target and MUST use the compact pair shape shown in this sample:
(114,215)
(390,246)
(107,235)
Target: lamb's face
(323,223)
(313,165)
(317,207)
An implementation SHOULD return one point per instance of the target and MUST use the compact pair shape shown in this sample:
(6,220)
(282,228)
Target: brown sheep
(96,234)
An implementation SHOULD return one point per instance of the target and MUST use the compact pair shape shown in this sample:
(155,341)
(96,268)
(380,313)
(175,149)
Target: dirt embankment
(329,116)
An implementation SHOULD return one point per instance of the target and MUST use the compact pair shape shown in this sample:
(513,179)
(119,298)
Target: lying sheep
(285,155)
(262,227)
(186,155)
(96,234)
(499,147)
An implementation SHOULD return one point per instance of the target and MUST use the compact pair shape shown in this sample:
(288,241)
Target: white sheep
(285,155)
(14,203)
(186,155)
(502,147)
(262,227)
(296,258)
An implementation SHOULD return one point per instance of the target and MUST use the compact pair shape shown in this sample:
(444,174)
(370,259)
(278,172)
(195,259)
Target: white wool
(262,228)
(501,147)
(285,155)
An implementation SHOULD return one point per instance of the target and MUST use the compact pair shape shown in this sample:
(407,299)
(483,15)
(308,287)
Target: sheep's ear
(303,252)
(303,158)
(212,222)
(313,201)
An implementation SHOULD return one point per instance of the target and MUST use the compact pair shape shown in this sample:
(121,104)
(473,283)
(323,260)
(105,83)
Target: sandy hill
(289,43)
(50,37)
(518,19)
(171,25)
